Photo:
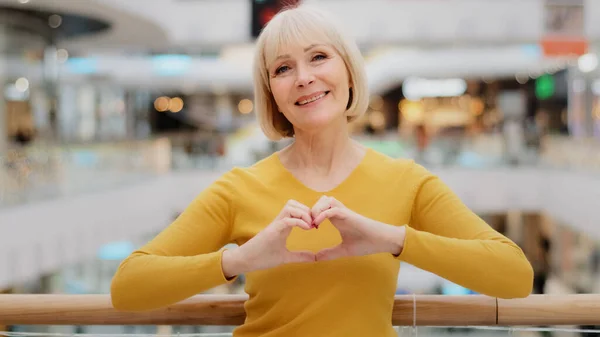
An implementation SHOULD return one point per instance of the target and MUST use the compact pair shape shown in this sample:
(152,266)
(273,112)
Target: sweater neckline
(336,188)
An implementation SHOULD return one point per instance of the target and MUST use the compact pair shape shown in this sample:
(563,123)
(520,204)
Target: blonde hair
(295,26)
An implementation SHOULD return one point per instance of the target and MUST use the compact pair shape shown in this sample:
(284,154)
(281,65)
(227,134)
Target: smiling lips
(311,98)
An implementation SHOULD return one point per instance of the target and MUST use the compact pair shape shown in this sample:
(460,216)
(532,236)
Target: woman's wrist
(396,239)
(232,263)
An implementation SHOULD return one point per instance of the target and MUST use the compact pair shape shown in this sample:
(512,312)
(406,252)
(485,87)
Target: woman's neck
(322,152)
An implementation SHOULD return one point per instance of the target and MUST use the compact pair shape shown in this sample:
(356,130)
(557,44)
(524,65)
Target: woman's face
(310,85)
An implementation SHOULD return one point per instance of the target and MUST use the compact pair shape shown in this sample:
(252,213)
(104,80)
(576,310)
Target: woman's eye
(281,70)
(319,57)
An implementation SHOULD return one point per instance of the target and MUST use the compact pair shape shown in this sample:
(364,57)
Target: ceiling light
(417,88)
(22,84)
(54,20)
(587,63)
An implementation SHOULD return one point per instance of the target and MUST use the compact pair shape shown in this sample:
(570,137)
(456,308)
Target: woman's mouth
(311,99)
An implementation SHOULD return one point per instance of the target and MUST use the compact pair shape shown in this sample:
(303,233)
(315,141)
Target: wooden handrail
(432,310)
(580,309)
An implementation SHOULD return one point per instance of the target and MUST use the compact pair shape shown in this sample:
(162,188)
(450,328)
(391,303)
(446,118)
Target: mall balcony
(116,114)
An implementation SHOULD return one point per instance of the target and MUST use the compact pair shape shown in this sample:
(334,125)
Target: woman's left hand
(360,235)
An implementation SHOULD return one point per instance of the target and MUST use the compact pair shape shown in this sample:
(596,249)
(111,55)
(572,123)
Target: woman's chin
(317,123)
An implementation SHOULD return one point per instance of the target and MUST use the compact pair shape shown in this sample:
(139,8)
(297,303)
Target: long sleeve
(184,259)
(448,239)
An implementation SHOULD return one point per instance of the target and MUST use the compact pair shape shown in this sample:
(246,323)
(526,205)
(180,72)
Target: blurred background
(114,114)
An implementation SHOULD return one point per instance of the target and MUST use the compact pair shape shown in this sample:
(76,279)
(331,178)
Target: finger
(331,253)
(300,256)
(289,204)
(298,204)
(293,222)
(321,205)
(299,213)
(327,214)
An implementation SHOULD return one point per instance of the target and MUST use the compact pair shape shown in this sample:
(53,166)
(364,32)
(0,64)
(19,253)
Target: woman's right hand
(268,248)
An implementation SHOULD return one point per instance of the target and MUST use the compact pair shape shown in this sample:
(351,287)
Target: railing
(416,310)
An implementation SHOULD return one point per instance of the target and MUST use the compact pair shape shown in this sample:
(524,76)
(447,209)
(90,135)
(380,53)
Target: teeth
(311,99)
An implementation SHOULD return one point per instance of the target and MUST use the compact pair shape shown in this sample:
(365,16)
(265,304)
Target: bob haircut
(303,25)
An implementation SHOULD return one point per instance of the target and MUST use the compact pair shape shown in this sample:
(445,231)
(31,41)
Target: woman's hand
(267,249)
(360,235)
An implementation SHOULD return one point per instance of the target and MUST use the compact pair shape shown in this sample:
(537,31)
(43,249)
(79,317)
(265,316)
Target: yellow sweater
(346,297)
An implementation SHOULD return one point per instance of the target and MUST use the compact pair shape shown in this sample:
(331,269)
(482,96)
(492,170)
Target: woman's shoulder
(260,170)
(406,168)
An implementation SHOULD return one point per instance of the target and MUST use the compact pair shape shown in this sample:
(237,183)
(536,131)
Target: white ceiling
(128,29)
(466,38)
(206,23)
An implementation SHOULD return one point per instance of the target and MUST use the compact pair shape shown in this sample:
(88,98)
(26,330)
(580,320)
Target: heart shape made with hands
(341,232)
(337,232)
(323,235)
(315,239)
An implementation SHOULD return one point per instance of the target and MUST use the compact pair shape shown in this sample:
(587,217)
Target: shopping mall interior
(116,114)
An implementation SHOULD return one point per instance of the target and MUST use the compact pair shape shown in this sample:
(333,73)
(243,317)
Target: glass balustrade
(43,172)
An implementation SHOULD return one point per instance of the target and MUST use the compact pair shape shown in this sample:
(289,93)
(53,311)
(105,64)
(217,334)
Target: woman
(321,225)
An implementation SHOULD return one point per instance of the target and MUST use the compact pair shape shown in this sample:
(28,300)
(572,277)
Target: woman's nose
(304,77)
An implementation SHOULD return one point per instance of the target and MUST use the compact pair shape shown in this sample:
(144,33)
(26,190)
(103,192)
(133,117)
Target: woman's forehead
(283,46)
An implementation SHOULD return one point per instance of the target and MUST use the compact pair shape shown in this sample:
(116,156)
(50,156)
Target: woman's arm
(184,259)
(448,239)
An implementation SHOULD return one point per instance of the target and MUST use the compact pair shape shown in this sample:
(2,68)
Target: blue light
(82,65)
(115,251)
(532,50)
(83,158)
(169,65)
(455,289)
(75,287)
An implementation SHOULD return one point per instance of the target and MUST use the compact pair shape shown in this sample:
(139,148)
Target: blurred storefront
(21,50)
(30,58)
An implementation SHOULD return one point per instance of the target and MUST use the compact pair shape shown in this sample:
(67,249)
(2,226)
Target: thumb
(331,253)
(300,256)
